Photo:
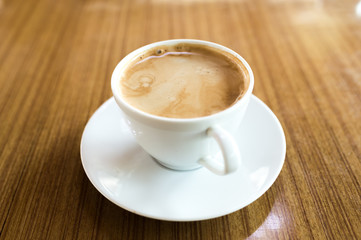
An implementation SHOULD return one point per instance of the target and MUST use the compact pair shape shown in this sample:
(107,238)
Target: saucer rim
(259,193)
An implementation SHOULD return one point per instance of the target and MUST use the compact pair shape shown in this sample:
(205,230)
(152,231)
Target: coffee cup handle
(229,149)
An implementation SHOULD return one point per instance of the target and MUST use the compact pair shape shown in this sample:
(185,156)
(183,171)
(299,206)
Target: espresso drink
(183,81)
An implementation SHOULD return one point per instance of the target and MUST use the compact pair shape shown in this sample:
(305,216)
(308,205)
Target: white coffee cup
(186,144)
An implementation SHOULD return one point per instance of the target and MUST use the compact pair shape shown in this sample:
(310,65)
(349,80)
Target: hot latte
(183,81)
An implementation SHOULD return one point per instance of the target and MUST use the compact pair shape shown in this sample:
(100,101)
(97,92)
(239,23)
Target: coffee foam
(183,81)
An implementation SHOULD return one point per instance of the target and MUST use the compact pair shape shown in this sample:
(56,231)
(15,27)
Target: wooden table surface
(56,60)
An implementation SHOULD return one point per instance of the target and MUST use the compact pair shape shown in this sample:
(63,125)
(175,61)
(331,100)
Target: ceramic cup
(186,144)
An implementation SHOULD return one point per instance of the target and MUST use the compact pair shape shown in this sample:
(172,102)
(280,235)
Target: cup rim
(115,81)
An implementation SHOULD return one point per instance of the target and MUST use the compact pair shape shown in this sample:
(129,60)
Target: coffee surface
(183,81)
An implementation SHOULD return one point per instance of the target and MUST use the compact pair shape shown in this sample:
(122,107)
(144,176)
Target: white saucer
(125,174)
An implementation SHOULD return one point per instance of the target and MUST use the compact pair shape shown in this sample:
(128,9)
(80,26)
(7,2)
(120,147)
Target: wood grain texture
(56,59)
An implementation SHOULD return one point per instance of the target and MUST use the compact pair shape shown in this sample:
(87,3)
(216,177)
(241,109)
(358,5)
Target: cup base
(128,175)
(177,168)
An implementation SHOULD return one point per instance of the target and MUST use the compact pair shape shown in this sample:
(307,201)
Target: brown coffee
(183,81)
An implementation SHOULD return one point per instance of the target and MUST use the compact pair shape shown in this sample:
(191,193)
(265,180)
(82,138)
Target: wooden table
(56,60)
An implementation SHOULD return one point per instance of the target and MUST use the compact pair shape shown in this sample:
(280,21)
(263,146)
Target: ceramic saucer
(125,174)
